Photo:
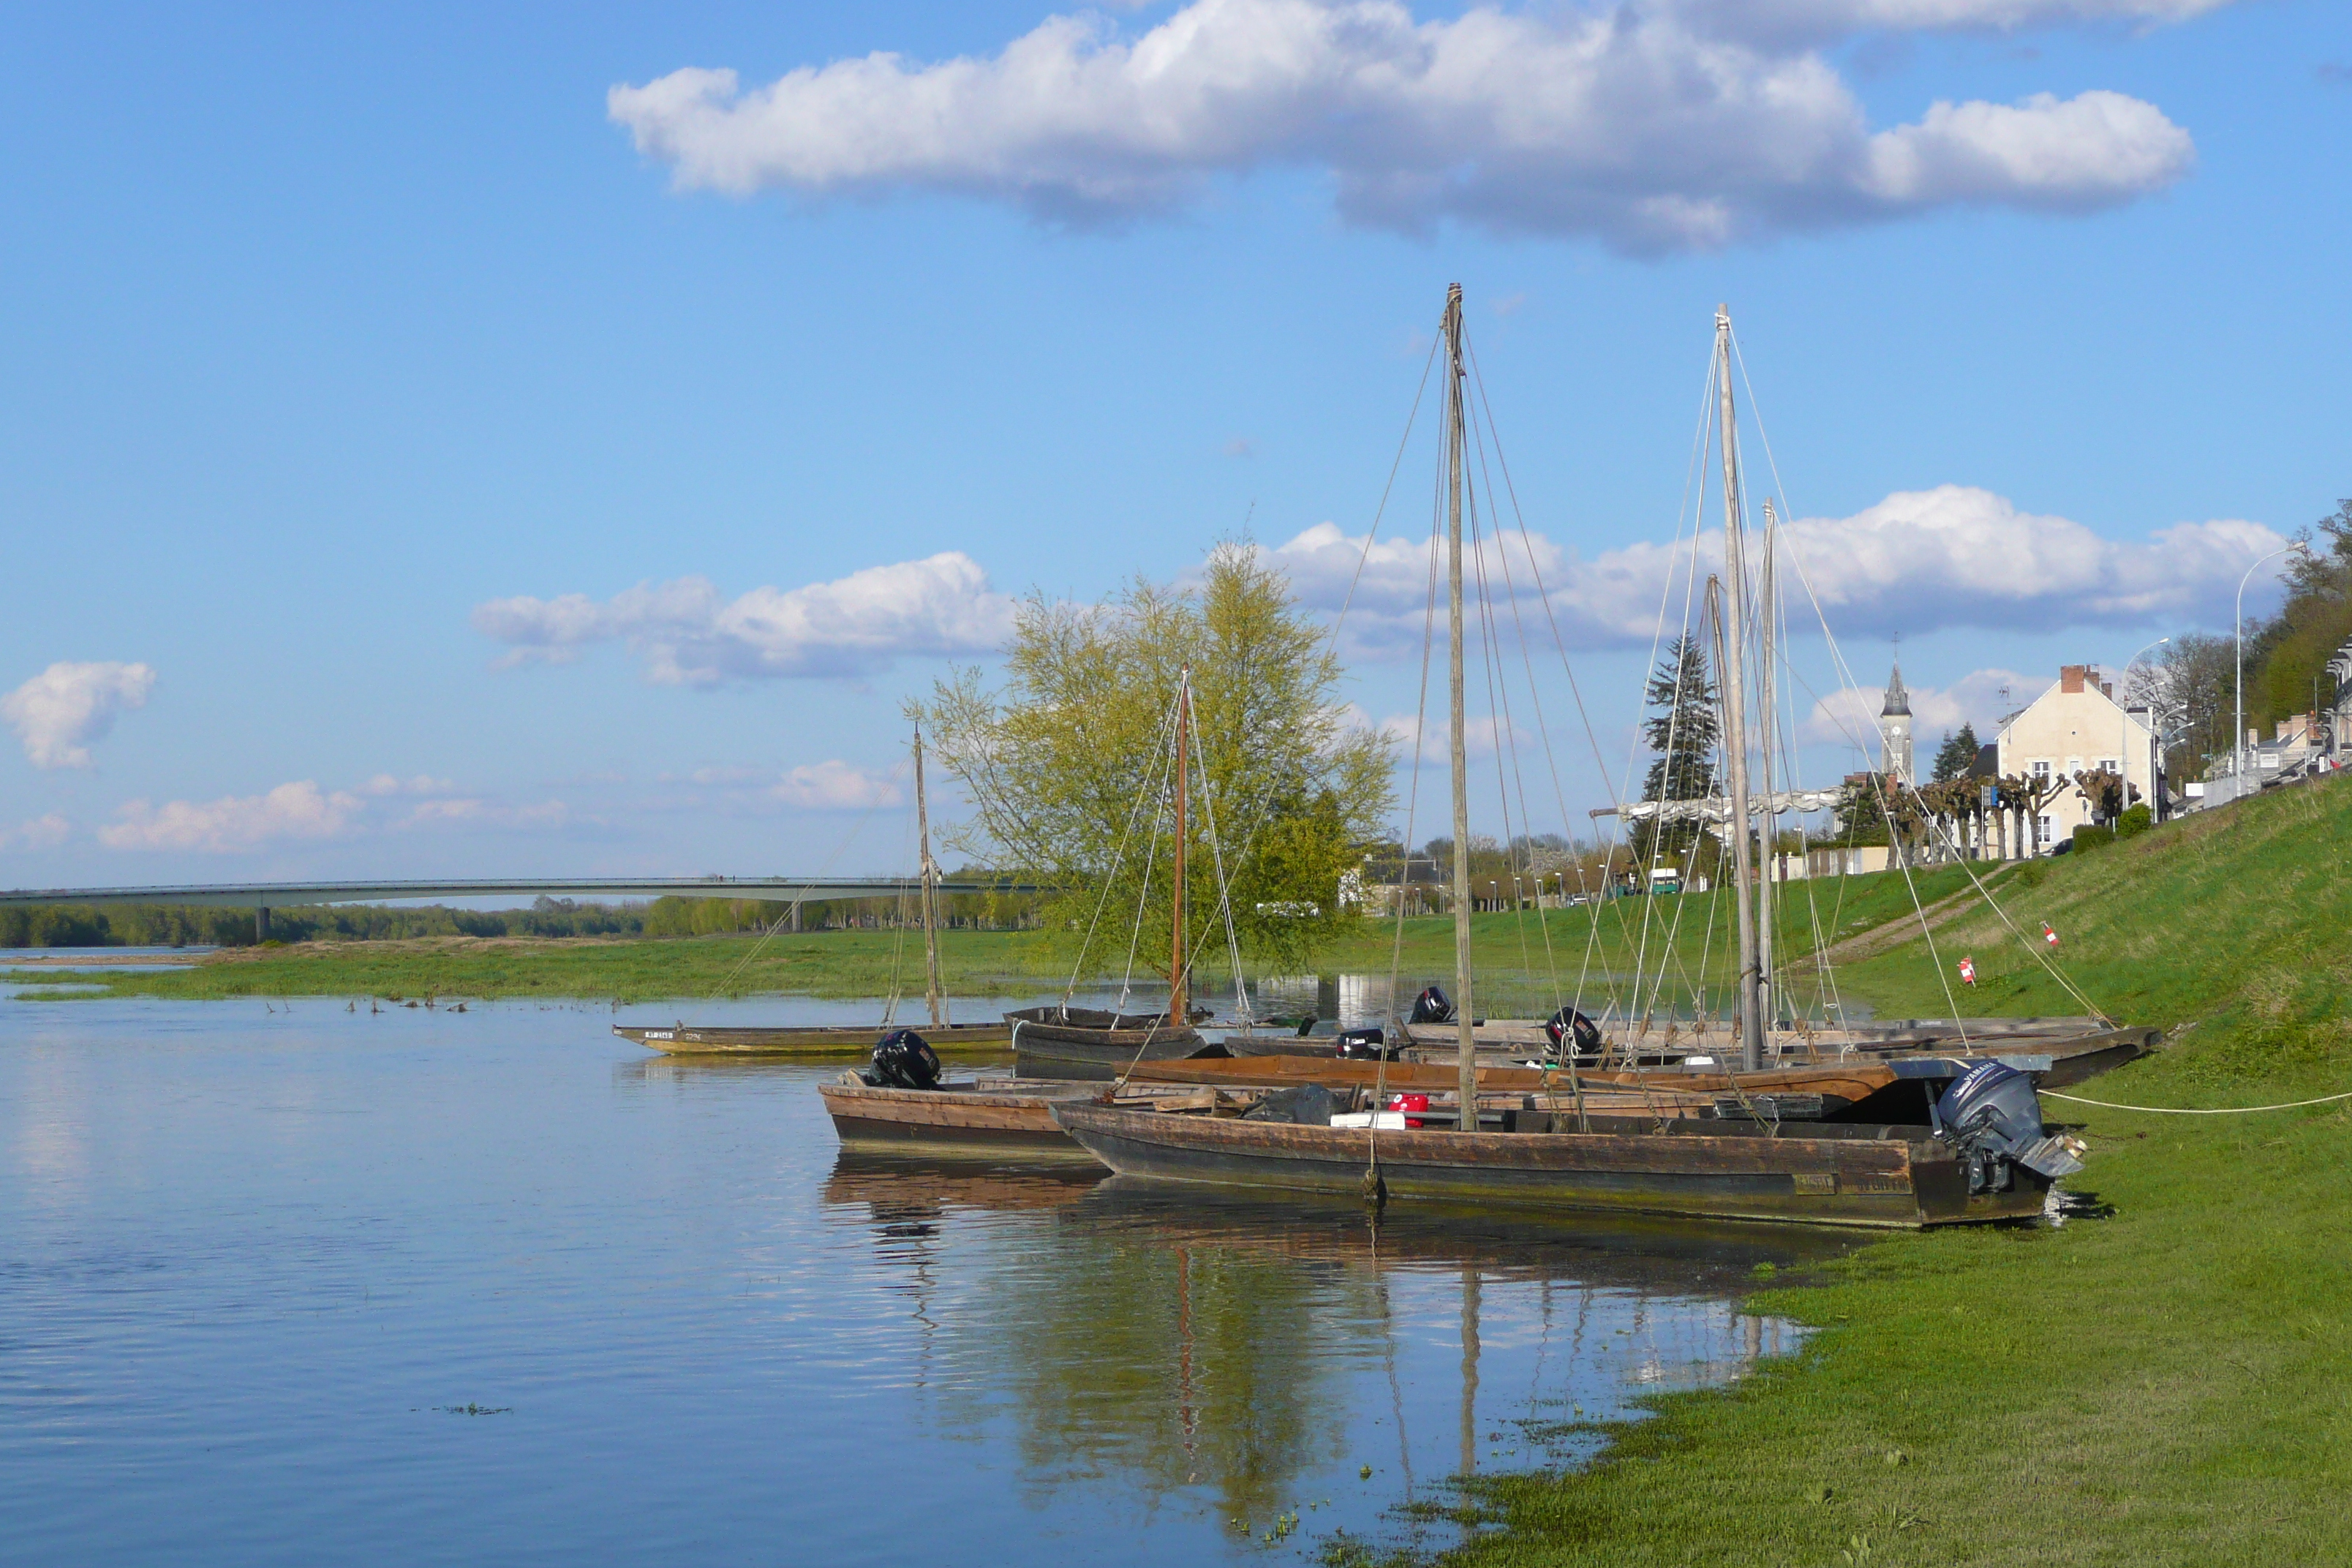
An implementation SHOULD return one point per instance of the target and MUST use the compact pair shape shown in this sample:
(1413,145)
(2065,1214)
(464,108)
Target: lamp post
(2238,730)
(2123,743)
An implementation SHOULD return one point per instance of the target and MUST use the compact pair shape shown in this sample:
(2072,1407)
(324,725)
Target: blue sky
(331,327)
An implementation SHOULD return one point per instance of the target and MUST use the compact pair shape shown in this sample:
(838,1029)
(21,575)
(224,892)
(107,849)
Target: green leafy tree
(1066,765)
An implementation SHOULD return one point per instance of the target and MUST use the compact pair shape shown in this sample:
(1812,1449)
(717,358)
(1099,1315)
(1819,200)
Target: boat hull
(985,1120)
(1065,1043)
(814,1040)
(1871,1183)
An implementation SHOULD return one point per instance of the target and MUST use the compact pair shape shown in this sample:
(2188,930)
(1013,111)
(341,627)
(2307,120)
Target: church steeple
(1898,700)
(1894,730)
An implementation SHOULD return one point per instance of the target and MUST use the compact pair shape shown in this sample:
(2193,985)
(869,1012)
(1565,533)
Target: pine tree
(1957,755)
(1683,728)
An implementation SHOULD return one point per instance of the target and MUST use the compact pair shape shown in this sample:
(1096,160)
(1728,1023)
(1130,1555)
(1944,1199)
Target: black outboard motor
(904,1059)
(1992,1117)
(1567,1023)
(1363,1045)
(1431,1006)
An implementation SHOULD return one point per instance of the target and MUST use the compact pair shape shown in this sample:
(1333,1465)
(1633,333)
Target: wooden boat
(1067,1042)
(988,1116)
(1877,1087)
(805,1040)
(1994,1163)
(1825,1174)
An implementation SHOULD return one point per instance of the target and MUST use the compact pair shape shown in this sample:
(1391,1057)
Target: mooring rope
(2196,1110)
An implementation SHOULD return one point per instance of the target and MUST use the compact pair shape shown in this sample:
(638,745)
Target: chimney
(2071,678)
(2108,688)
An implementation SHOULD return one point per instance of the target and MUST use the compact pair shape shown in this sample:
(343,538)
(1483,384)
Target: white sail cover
(1714,808)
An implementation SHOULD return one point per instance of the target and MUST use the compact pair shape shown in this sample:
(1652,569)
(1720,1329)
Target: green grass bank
(2165,1385)
(1526,956)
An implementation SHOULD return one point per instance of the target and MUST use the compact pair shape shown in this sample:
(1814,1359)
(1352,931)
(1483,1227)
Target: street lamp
(2123,743)
(2238,730)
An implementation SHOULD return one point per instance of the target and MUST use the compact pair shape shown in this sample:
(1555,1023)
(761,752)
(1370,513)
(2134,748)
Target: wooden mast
(1455,420)
(1768,979)
(931,875)
(1180,1012)
(1734,706)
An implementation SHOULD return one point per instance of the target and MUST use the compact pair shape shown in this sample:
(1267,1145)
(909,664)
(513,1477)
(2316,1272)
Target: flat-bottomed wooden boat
(1849,1174)
(804,1040)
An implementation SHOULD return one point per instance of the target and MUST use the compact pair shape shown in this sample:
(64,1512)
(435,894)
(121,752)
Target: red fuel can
(1409,1104)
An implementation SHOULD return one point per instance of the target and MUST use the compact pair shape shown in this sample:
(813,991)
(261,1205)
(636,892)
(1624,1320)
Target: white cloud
(299,810)
(423,783)
(687,635)
(38,833)
(1850,716)
(61,710)
(835,786)
(1652,127)
(1920,560)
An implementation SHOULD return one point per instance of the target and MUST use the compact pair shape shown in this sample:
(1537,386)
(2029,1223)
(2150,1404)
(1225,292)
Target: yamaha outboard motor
(1992,1117)
(1431,1006)
(904,1059)
(1363,1045)
(1567,1023)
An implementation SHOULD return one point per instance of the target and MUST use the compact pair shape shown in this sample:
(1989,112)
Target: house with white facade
(2077,727)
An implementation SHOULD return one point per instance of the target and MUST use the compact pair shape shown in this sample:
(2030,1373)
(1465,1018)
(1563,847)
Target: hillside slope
(2165,1385)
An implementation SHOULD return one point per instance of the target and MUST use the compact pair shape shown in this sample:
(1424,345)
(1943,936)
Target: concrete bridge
(263,897)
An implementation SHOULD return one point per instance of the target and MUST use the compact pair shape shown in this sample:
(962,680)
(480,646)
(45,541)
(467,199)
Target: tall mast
(1455,431)
(1734,673)
(1179,1012)
(1768,613)
(931,874)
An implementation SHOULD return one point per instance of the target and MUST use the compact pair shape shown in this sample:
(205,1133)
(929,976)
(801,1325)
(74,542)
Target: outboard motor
(1568,1023)
(1992,1117)
(904,1059)
(1431,1006)
(1363,1045)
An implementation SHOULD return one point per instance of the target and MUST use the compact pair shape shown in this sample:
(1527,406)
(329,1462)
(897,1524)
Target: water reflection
(1247,1352)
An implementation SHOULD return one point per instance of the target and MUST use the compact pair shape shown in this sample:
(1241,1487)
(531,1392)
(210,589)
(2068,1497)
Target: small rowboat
(807,1040)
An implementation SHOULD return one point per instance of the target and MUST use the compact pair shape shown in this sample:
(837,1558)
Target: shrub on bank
(2135,821)
(2091,837)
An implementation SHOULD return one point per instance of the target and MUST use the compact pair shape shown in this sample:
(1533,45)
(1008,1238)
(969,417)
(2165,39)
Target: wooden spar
(1179,1013)
(1768,978)
(931,874)
(1454,676)
(1734,704)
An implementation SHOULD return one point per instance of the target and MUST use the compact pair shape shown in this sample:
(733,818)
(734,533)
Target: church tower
(1894,731)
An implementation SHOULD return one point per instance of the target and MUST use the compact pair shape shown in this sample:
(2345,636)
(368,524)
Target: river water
(309,1286)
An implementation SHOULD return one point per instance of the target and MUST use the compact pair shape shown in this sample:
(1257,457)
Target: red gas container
(1409,1104)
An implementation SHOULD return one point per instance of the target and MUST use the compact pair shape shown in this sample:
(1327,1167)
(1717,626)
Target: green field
(1690,934)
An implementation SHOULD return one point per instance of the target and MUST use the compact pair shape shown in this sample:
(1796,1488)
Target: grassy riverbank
(2167,1385)
(1513,947)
